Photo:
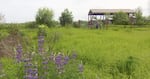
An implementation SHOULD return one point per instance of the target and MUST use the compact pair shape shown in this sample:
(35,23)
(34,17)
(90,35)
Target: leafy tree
(121,18)
(45,16)
(139,17)
(147,20)
(66,17)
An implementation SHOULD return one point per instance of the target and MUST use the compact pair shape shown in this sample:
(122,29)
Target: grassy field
(116,53)
(100,50)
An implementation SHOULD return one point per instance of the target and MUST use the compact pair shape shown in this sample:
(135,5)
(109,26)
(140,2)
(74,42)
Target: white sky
(25,10)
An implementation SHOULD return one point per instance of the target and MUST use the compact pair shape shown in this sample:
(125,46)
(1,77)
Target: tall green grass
(116,53)
(101,50)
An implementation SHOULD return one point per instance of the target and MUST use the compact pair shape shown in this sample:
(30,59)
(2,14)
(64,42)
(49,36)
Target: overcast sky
(25,10)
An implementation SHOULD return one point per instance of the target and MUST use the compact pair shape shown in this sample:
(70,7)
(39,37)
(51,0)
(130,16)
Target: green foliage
(121,18)
(66,17)
(52,39)
(31,24)
(56,23)
(76,24)
(9,25)
(42,30)
(147,20)
(45,16)
(127,67)
(11,69)
(111,54)
(13,30)
(139,17)
(80,24)
(102,49)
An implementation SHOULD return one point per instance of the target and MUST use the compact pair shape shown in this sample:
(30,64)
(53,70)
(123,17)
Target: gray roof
(104,11)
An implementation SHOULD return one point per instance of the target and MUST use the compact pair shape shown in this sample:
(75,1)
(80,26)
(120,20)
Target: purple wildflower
(45,62)
(28,70)
(34,72)
(40,43)
(31,73)
(19,53)
(59,63)
(58,59)
(66,59)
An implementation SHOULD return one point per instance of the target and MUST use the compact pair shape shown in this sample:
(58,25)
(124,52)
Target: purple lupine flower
(66,59)
(81,67)
(31,73)
(59,63)
(58,59)
(45,62)
(40,43)
(28,70)
(34,71)
(19,53)
(28,63)
(19,49)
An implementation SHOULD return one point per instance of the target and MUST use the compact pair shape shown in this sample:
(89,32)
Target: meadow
(115,53)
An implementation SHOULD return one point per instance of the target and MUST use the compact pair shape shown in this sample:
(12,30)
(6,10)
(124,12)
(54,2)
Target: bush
(45,16)
(66,18)
(121,18)
(139,17)
(76,24)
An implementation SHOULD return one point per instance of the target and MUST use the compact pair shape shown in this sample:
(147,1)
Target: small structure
(106,14)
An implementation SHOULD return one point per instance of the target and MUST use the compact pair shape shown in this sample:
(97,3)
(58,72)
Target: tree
(139,17)
(121,18)
(66,17)
(45,16)
(2,18)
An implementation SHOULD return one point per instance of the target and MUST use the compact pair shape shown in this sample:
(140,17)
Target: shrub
(66,17)
(45,16)
(121,18)
(139,17)
(76,24)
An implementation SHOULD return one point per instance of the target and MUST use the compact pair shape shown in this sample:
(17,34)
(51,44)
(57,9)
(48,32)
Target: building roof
(111,11)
